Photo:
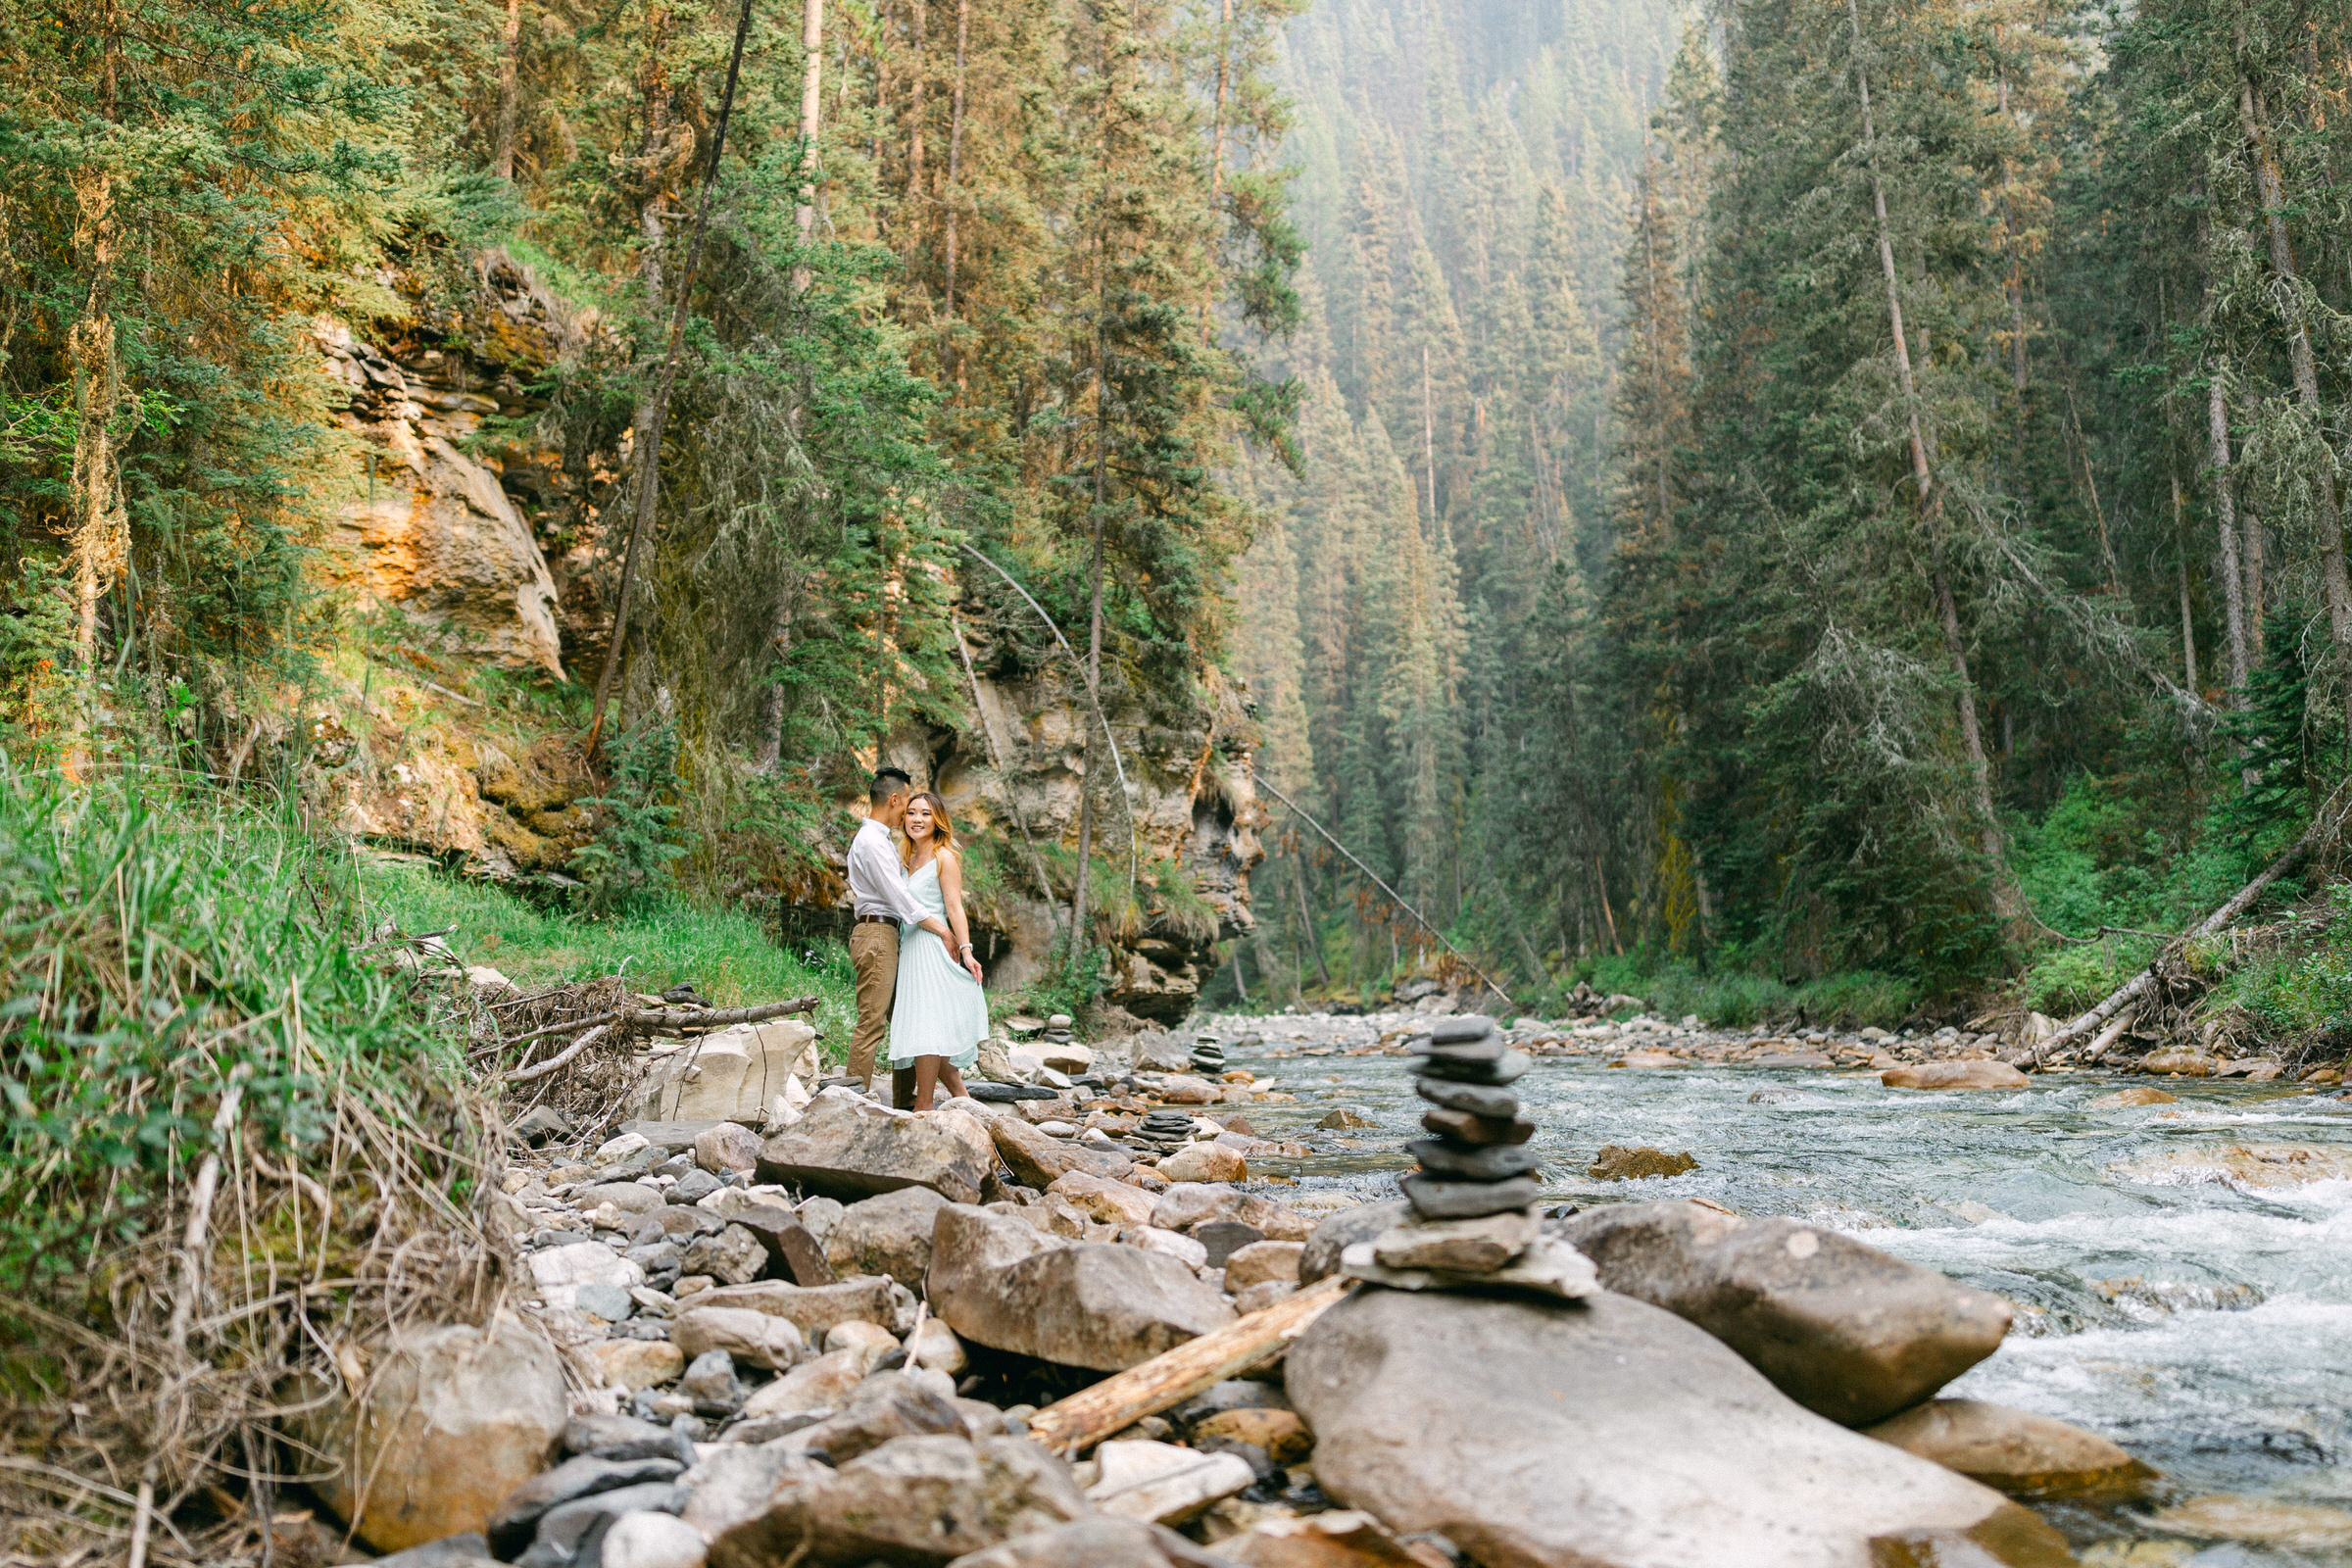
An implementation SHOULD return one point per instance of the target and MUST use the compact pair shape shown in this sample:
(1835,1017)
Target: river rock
(633,1364)
(2296,1526)
(2016,1451)
(1106,1202)
(1843,1329)
(1338,1232)
(1003,1282)
(1955,1075)
(2181,1064)
(884,1407)
(1280,1432)
(734,1256)
(793,1251)
(846,1146)
(813,1309)
(1454,1246)
(1038,1159)
(727,1146)
(733,1072)
(2266,1165)
(1188,1205)
(1618,1163)
(889,1235)
(1339,1537)
(511,1528)
(468,1550)
(453,1419)
(1205,1161)
(1102,1542)
(1183,1089)
(630,1197)
(824,1383)
(755,1339)
(917,1500)
(651,1541)
(2136,1095)
(1611,1434)
(1260,1261)
(1141,1478)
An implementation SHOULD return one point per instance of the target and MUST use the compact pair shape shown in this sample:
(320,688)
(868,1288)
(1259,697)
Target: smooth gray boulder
(1000,1281)
(846,1146)
(1841,1328)
(1610,1435)
(917,1501)
(1102,1542)
(1335,1235)
(815,1309)
(889,1235)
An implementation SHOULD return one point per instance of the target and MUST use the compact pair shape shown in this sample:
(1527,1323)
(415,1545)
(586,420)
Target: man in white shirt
(879,901)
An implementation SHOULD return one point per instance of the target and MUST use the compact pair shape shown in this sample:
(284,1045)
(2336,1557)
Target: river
(2200,1320)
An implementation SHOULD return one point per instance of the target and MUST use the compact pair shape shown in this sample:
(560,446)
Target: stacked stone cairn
(1208,1057)
(1473,1222)
(1056,1029)
(1162,1132)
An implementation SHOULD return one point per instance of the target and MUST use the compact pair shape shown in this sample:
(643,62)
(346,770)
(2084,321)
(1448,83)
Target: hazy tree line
(1798,488)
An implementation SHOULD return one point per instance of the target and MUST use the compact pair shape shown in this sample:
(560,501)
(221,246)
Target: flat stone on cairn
(1473,1221)
(1208,1055)
(1162,1132)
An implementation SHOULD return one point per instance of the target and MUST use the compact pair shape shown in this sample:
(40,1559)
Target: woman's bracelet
(967,946)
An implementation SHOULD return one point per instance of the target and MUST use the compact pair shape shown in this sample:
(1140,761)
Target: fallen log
(673,1020)
(1172,1376)
(2323,827)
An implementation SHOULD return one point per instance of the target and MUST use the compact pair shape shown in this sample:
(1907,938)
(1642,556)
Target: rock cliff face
(454,527)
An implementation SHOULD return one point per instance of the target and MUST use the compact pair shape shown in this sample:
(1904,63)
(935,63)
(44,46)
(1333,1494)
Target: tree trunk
(2189,624)
(2233,608)
(510,63)
(101,530)
(914,125)
(1947,611)
(2328,523)
(963,13)
(1217,144)
(1307,919)
(804,214)
(1429,442)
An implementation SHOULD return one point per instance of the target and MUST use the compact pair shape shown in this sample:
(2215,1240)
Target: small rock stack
(1162,1132)
(1473,1223)
(1056,1029)
(1208,1057)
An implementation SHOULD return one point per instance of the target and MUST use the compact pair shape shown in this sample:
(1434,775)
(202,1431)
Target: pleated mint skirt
(941,1010)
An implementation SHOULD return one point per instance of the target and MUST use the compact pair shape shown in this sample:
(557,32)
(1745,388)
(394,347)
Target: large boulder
(2016,1451)
(1039,1160)
(846,1146)
(1610,1434)
(887,1235)
(452,1420)
(731,1072)
(916,1500)
(1955,1075)
(1843,1328)
(815,1309)
(1003,1282)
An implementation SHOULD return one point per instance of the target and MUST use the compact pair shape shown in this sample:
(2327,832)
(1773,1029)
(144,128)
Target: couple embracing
(918,984)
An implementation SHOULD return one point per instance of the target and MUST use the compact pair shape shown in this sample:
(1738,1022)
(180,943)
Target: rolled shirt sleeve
(875,873)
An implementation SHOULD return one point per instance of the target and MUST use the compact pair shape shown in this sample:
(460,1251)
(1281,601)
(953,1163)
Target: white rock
(613,1151)
(652,1541)
(735,1072)
(754,1338)
(1171,1244)
(1058,1129)
(1162,1482)
(560,1271)
(870,1339)
(484,978)
(937,1349)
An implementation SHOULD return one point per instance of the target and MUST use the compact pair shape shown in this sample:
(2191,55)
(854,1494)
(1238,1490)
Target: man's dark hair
(888,782)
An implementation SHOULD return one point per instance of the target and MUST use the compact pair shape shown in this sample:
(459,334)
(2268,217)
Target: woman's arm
(951,893)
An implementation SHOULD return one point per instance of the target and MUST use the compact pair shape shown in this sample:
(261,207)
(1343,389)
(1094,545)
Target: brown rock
(1618,1163)
(1646,1058)
(1183,1089)
(813,1309)
(846,1146)
(884,1407)
(1341,1538)
(2136,1095)
(889,1235)
(1110,1202)
(634,1364)
(1955,1075)
(1260,1261)
(2268,1165)
(753,1338)
(1101,1542)
(1040,1159)
(1205,1161)
(728,1147)
(1344,1119)
(2181,1064)
(1280,1432)
(2016,1451)
(823,1384)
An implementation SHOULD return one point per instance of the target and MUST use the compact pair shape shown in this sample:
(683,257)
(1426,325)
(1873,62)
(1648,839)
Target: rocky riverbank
(1068,1323)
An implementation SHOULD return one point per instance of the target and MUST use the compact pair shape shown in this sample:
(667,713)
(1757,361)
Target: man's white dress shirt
(877,882)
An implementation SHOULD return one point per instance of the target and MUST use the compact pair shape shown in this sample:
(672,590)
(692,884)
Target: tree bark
(509,61)
(1216,143)
(2189,624)
(1307,919)
(1947,611)
(2328,523)
(2225,508)
(963,13)
(101,529)
(915,124)
(804,214)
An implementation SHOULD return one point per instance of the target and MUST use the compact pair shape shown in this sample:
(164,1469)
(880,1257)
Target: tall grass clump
(230,1150)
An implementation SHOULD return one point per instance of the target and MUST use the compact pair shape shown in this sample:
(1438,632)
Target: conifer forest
(1831,507)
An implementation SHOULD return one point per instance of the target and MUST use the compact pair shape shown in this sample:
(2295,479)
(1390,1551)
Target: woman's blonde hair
(943,830)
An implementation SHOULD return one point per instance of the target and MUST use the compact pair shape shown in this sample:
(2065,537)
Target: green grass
(728,956)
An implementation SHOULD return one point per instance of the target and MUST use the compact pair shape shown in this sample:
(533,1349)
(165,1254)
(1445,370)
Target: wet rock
(726,1148)
(516,1520)
(1955,1075)
(2265,1165)
(889,1235)
(754,1338)
(2136,1095)
(1205,1161)
(1000,1282)
(1110,1202)
(813,1309)
(634,1364)
(1338,1232)
(734,1256)
(846,1146)
(2016,1451)
(2296,1526)
(1095,1543)
(1535,1435)
(1618,1163)
(453,1419)
(2181,1064)
(1039,1160)
(1647,1060)
(1260,1261)
(884,1407)
(1281,1434)
(917,1501)
(651,1541)
(1843,1329)
(1343,1120)
(1162,1482)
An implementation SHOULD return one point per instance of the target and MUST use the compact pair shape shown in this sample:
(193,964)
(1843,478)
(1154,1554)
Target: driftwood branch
(671,1020)
(1172,1376)
(562,1056)
(2131,991)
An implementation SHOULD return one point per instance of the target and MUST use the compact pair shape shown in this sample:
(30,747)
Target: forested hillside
(1800,490)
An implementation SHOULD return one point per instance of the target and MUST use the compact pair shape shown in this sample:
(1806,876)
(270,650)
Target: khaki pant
(874,955)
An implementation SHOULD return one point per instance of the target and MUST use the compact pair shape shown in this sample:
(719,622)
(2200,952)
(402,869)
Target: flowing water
(2200,1318)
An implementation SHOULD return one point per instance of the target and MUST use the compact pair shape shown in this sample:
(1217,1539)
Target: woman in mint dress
(940,1015)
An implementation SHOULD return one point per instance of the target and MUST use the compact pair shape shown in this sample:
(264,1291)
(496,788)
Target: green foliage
(626,867)
(1735,1000)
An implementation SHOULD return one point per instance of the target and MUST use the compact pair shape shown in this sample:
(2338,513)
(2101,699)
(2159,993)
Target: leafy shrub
(625,867)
